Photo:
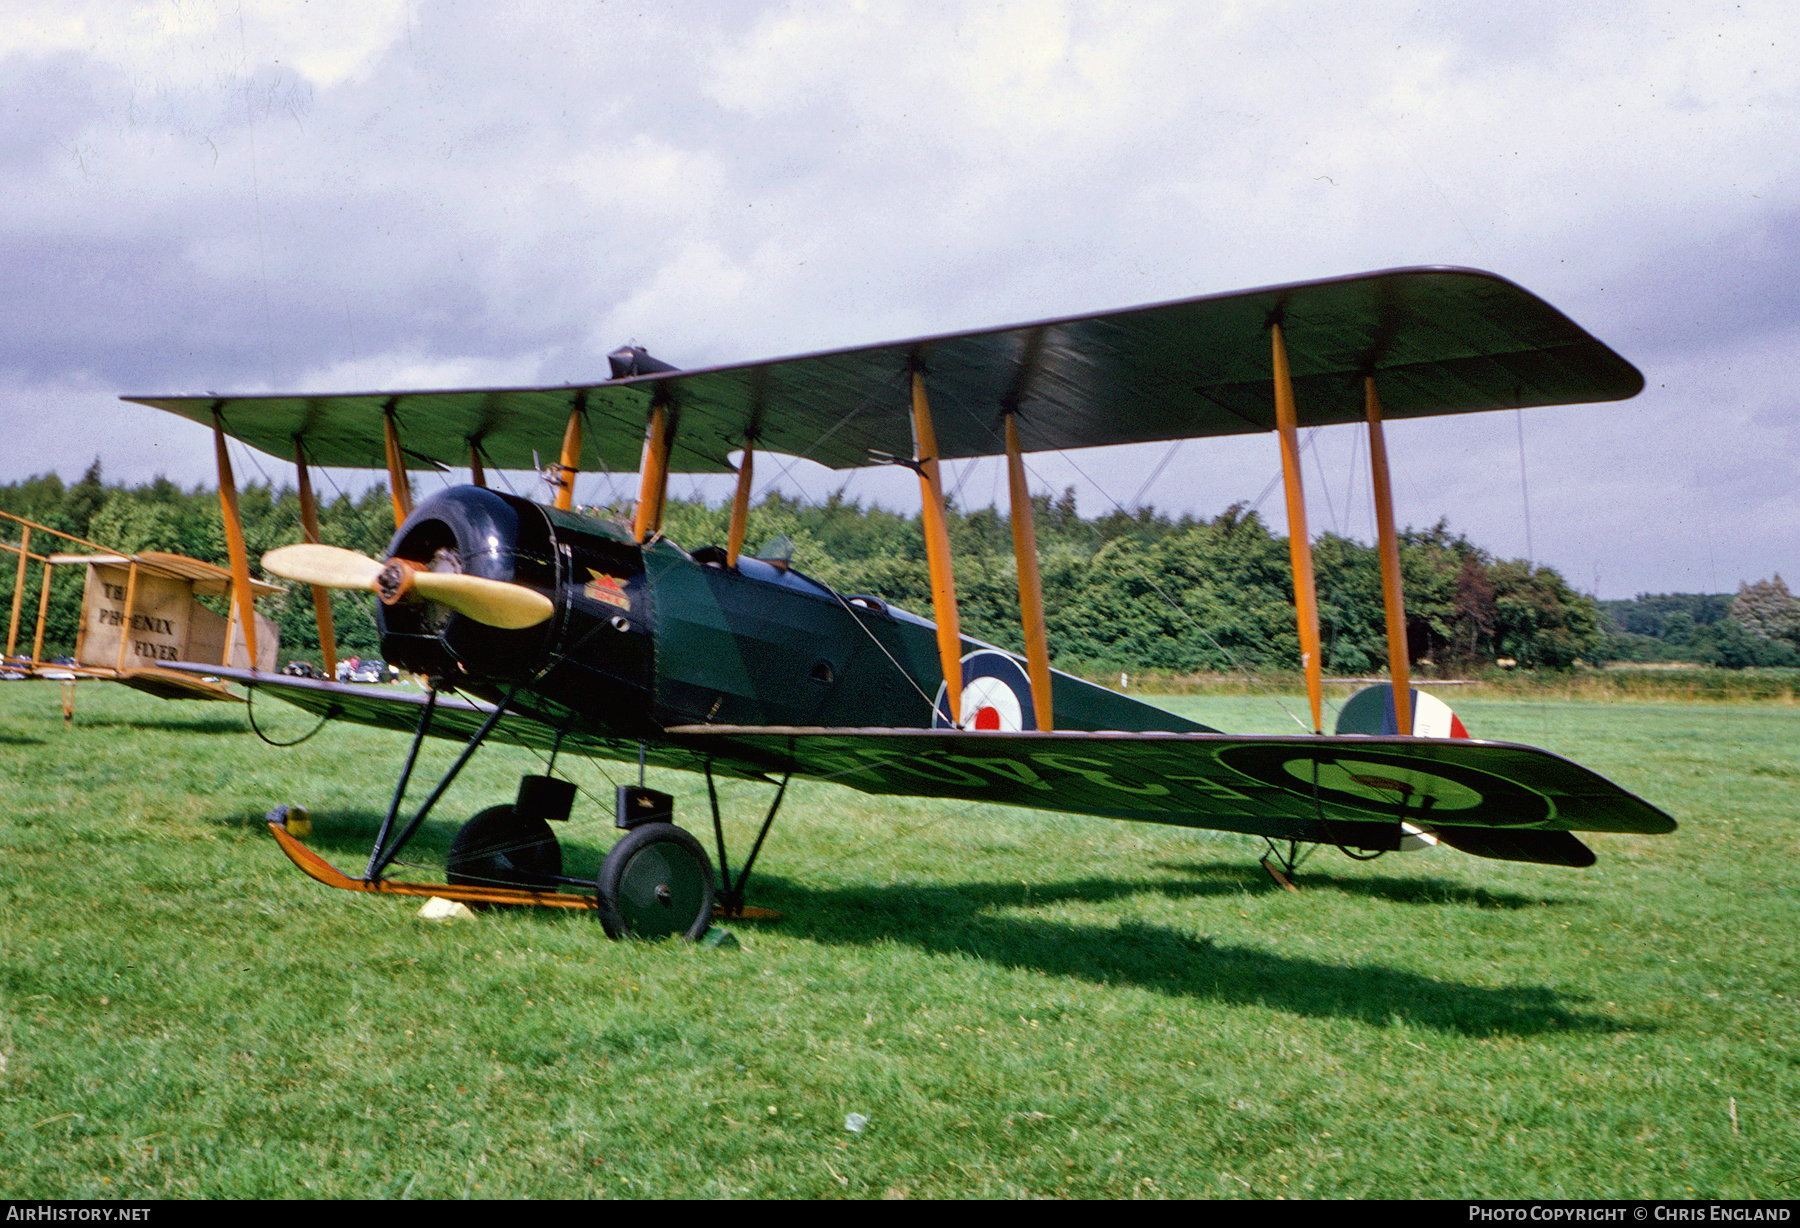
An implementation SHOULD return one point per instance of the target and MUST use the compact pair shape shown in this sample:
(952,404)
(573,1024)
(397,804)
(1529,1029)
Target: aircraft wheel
(656,882)
(497,848)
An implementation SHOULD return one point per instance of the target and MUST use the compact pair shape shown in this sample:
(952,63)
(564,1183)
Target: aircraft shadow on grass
(977,920)
(201,725)
(969,919)
(1392,888)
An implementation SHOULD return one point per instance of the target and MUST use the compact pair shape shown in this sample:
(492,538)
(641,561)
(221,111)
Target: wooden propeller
(494,603)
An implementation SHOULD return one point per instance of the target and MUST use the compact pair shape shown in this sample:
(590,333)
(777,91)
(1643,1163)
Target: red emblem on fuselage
(607,589)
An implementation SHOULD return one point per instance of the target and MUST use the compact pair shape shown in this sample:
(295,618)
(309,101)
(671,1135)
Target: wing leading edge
(1437,340)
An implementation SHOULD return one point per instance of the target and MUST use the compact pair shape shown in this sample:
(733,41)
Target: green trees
(1760,626)
(1767,610)
(1138,591)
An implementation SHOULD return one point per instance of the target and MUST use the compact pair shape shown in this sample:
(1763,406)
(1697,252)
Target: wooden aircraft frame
(134,660)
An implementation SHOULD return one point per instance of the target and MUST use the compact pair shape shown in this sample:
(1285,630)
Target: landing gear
(1281,866)
(655,883)
(502,848)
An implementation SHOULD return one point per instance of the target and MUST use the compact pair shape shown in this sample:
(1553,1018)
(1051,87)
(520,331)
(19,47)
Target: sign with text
(129,625)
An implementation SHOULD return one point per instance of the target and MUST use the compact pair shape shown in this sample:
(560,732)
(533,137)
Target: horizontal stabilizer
(1544,848)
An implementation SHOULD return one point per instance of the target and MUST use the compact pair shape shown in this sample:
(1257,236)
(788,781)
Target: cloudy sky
(341,195)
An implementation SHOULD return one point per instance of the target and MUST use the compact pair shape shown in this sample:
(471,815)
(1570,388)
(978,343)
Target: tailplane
(1371,712)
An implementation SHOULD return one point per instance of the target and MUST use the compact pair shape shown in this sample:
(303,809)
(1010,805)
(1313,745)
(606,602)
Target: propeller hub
(395,583)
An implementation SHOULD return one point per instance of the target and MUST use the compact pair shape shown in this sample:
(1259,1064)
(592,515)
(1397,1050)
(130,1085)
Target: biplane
(544,626)
(138,613)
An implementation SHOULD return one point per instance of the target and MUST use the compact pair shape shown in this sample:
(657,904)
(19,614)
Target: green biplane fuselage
(648,638)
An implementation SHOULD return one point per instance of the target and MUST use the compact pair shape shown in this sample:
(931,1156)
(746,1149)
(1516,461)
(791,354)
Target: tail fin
(1371,711)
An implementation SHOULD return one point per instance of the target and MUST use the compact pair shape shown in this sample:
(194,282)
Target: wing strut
(12,630)
(1031,589)
(241,595)
(653,472)
(570,462)
(37,641)
(740,504)
(1306,600)
(381,857)
(1393,595)
(130,612)
(309,524)
(399,489)
(937,548)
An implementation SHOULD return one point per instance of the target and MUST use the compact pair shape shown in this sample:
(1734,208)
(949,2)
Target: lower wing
(1492,799)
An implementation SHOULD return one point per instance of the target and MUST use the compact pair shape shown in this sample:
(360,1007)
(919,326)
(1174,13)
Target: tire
(497,848)
(656,882)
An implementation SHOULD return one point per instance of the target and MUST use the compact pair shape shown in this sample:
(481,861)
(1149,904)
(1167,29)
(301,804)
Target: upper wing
(1438,341)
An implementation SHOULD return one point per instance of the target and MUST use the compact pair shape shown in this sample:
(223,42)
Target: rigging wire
(1137,500)
(1524,490)
(995,436)
(1356,447)
(818,443)
(250,713)
(1177,606)
(930,702)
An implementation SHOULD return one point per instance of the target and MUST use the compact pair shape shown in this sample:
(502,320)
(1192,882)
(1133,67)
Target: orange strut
(937,551)
(740,506)
(309,524)
(1393,593)
(399,489)
(234,544)
(653,475)
(1306,600)
(570,463)
(1031,588)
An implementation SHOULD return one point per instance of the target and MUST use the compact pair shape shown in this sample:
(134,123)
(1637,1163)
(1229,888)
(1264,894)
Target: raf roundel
(996,694)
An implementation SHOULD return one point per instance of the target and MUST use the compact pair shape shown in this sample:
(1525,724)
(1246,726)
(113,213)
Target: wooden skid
(316,867)
(320,870)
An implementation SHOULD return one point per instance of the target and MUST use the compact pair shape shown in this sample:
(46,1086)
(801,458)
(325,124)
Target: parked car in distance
(362,670)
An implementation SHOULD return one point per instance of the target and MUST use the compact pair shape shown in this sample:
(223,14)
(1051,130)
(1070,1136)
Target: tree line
(1760,626)
(1139,591)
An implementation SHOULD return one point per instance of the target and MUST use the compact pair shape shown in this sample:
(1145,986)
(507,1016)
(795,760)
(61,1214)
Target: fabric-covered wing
(456,717)
(1324,790)
(1437,340)
(1489,798)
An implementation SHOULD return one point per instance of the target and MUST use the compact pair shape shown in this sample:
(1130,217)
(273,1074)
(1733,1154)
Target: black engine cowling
(590,661)
(479,533)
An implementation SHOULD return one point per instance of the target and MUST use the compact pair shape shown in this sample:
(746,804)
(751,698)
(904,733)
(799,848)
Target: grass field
(1020,1004)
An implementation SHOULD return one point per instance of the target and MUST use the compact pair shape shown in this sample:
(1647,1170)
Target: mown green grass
(1616,682)
(1021,1004)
